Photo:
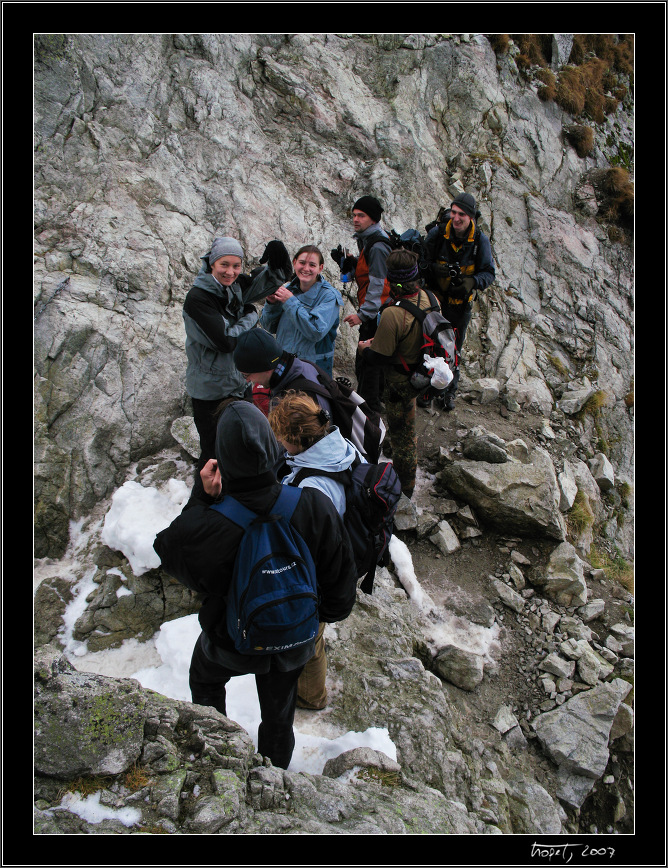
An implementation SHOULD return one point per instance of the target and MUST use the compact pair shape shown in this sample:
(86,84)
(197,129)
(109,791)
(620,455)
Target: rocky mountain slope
(148,145)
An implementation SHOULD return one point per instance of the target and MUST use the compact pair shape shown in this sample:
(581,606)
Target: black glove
(276,256)
(337,255)
(462,289)
(348,264)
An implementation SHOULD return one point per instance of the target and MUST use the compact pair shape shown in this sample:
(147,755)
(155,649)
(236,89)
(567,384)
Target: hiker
(373,245)
(261,360)
(217,309)
(399,337)
(304,313)
(457,262)
(199,550)
(305,431)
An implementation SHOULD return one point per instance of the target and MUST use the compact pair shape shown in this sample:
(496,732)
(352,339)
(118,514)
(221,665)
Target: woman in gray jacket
(217,309)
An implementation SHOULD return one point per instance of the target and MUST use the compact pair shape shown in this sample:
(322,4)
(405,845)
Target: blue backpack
(272,603)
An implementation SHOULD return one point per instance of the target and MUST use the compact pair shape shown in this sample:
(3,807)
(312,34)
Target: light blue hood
(333,453)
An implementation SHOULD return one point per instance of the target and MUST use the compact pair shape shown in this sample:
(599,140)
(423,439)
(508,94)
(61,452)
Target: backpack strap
(419,313)
(235,511)
(342,476)
(284,505)
(305,385)
(376,238)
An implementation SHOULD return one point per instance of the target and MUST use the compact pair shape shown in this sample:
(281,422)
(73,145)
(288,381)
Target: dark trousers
(370,378)
(460,320)
(276,691)
(204,414)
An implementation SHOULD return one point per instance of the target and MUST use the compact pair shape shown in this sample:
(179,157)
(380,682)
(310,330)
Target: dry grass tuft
(589,85)
(85,786)
(615,566)
(581,138)
(548,90)
(580,515)
(620,206)
(136,778)
(595,402)
(499,42)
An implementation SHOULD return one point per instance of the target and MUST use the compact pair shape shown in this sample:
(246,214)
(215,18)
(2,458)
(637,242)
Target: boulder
(568,487)
(512,496)
(602,471)
(462,668)
(445,539)
(360,758)
(564,580)
(575,736)
(84,724)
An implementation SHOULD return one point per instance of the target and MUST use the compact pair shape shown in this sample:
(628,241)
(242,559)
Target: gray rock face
(148,145)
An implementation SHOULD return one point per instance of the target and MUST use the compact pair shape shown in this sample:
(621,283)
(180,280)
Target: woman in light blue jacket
(304,313)
(303,428)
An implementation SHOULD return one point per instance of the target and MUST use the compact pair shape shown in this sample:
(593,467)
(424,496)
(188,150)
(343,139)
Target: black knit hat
(256,350)
(245,444)
(466,202)
(370,206)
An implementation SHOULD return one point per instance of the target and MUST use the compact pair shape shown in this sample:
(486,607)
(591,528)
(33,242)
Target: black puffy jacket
(199,548)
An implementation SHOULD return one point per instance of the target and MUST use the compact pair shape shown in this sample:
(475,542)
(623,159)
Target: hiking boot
(423,401)
(448,403)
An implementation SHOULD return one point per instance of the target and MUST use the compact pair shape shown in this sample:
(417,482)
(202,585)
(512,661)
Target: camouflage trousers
(399,400)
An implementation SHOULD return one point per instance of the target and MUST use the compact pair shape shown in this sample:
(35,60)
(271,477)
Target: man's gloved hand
(337,255)
(349,264)
(462,290)
(276,256)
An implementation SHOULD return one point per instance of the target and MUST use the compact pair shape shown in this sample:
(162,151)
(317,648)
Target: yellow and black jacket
(471,256)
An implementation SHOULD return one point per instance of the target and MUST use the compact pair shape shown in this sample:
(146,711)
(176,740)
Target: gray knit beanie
(225,246)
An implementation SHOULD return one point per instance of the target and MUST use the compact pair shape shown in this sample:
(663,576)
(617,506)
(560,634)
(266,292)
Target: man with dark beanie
(457,263)
(370,271)
(199,549)
(262,361)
